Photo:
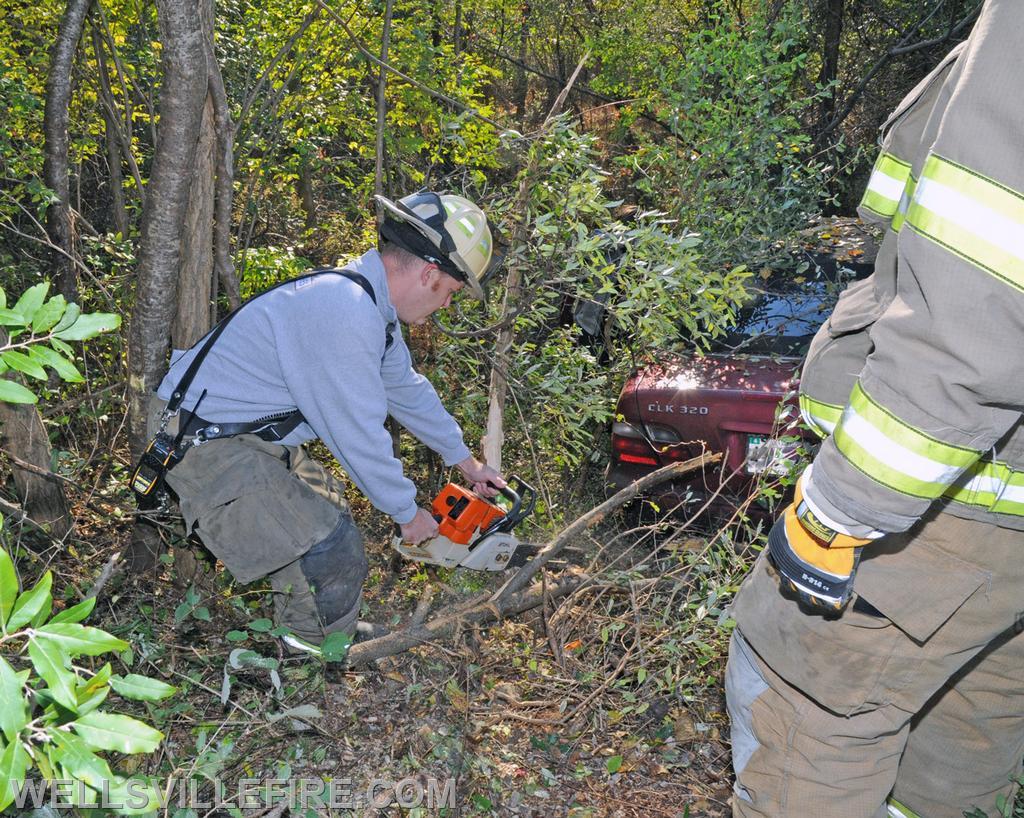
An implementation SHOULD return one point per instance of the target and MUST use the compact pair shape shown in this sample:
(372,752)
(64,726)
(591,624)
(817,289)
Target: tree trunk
(196,288)
(830,57)
(24,435)
(182,97)
(59,225)
(522,78)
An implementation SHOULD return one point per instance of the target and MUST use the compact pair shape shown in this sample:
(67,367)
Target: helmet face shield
(446,230)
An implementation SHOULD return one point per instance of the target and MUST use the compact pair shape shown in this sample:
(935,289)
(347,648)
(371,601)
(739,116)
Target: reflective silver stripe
(894,453)
(977,218)
(885,187)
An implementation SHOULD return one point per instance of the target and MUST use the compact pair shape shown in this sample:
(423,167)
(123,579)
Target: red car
(726,401)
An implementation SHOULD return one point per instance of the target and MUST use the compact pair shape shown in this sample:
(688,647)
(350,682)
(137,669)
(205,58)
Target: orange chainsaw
(473,532)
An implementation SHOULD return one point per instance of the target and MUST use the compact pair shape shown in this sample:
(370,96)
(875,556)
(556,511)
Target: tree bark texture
(196,290)
(56,169)
(182,99)
(224,187)
(24,435)
(831,42)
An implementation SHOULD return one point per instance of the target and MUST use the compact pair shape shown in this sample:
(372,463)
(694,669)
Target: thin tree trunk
(23,434)
(830,56)
(494,438)
(182,97)
(522,78)
(224,188)
(196,279)
(59,224)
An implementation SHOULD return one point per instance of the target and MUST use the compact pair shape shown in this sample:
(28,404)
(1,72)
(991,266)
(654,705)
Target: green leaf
(81,640)
(49,662)
(79,760)
(13,763)
(13,713)
(261,625)
(8,586)
(61,347)
(31,300)
(202,613)
(61,365)
(75,613)
(10,318)
(68,318)
(30,603)
(614,764)
(142,688)
(49,314)
(335,646)
(16,359)
(112,731)
(89,325)
(237,636)
(11,392)
(3,299)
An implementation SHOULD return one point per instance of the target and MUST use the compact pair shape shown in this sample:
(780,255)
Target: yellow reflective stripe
(977,218)
(904,205)
(894,453)
(885,186)
(990,485)
(821,417)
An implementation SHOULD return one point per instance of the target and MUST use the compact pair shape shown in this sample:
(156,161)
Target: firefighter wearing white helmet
(443,229)
(322,356)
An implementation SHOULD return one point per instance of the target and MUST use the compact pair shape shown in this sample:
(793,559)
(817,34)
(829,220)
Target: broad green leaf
(99,679)
(30,603)
(80,640)
(614,764)
(10,318)
(79,760)
(49,662)
(61,365)
(13,714)
(68,318)
(13,763)
(76,613)
(60,346)
(48,314)
(89,325)
(3,299)
(335,646)
(12,392)
(142,688)
(112,731)
(31,300)
(8,586)
(86,704)
(16,359)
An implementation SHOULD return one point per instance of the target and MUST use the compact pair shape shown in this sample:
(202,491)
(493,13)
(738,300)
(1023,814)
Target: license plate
(770,455)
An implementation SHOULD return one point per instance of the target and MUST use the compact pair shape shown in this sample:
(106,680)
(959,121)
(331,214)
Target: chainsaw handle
(519,511)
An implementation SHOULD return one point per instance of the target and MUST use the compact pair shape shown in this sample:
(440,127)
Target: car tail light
(633,444)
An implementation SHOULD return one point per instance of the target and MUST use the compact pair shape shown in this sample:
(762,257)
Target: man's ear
(425,273)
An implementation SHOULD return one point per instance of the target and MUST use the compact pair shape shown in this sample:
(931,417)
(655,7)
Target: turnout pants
(267,510)
(916,692)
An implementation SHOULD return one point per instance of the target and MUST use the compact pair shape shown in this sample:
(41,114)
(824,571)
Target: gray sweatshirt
(318,345)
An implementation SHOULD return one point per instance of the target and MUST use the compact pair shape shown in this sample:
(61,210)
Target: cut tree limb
(478,614)
(511,599)
(521,578)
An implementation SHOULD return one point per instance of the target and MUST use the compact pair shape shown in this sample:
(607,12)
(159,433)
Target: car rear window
(779,322)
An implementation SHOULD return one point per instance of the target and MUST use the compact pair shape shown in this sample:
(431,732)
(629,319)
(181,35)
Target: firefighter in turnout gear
(322,356)
(876,666)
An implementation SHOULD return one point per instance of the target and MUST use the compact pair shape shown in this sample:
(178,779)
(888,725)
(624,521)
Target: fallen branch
(519,580)
(479,614)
